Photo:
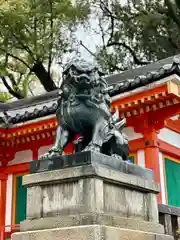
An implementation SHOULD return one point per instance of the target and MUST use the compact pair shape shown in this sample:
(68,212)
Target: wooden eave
(150,100)
(28,133)
(174,125)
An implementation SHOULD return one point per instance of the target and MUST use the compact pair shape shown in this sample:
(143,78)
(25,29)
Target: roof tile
(123,82)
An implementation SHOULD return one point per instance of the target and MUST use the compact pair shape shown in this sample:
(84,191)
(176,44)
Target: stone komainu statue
(84,108)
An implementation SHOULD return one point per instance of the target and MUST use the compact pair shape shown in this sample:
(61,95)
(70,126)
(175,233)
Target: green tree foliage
(4,97)
(33,34)
(136,32)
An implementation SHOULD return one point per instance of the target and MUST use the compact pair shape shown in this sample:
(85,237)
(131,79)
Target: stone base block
(90,158)
(91,219)
(90,189)
(89,232)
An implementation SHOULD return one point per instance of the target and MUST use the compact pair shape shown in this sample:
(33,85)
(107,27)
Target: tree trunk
(44,77)
(10,90)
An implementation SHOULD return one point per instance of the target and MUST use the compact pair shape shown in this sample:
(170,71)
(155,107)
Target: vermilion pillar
(150,128)
(3,179)
(152,155)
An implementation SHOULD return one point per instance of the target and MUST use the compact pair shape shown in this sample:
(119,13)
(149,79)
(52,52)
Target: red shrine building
(149,99)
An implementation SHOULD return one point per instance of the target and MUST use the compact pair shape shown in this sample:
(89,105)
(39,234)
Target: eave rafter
(149,101)
(28,133)
(173,124)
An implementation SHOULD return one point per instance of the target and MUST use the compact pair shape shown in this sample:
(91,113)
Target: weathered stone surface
(91,189)
(91,202)
(73,233)
(90,158)
(125,202)
(178,226)
(34,202)
(61,175)
(168,224)
(164,237)
(79,196)
(95,232)
(135,204)
(152,208)
(178,223)
(124,234)
(93,195)
(62,198)
(90,219)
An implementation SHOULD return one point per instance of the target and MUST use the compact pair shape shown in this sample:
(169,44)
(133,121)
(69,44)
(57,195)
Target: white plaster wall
(22,157)
(170,137)
(162,180)
(132,135)
(44,149)
(141,158)
(9,190)
(175,117)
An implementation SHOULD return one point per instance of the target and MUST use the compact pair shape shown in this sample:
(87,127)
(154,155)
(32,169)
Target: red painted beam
(18,168)
(137,144)
(169,149)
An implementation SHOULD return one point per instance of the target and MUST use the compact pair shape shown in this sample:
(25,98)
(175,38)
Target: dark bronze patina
(84,108)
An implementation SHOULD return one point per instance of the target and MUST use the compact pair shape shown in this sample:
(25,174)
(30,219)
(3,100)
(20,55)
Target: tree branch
(15,57)
(138,7)
(10,90)
(27,30)
(21,43)
(87,49)
(30,87)
(112,29)
(135,58)
(172,12)
(106,9)
(24,46)
(112,18)
(173,44)
(51,36)
(111,66)
(11,77)
(35,33)
(162,10)
(43,76)
(19,79)
(178,3)
(102,33)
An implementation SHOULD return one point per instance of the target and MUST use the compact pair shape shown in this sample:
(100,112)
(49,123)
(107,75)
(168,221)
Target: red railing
(5,233)
(2,233)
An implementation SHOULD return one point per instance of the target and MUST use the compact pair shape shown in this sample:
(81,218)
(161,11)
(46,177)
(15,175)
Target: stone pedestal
(92,202)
